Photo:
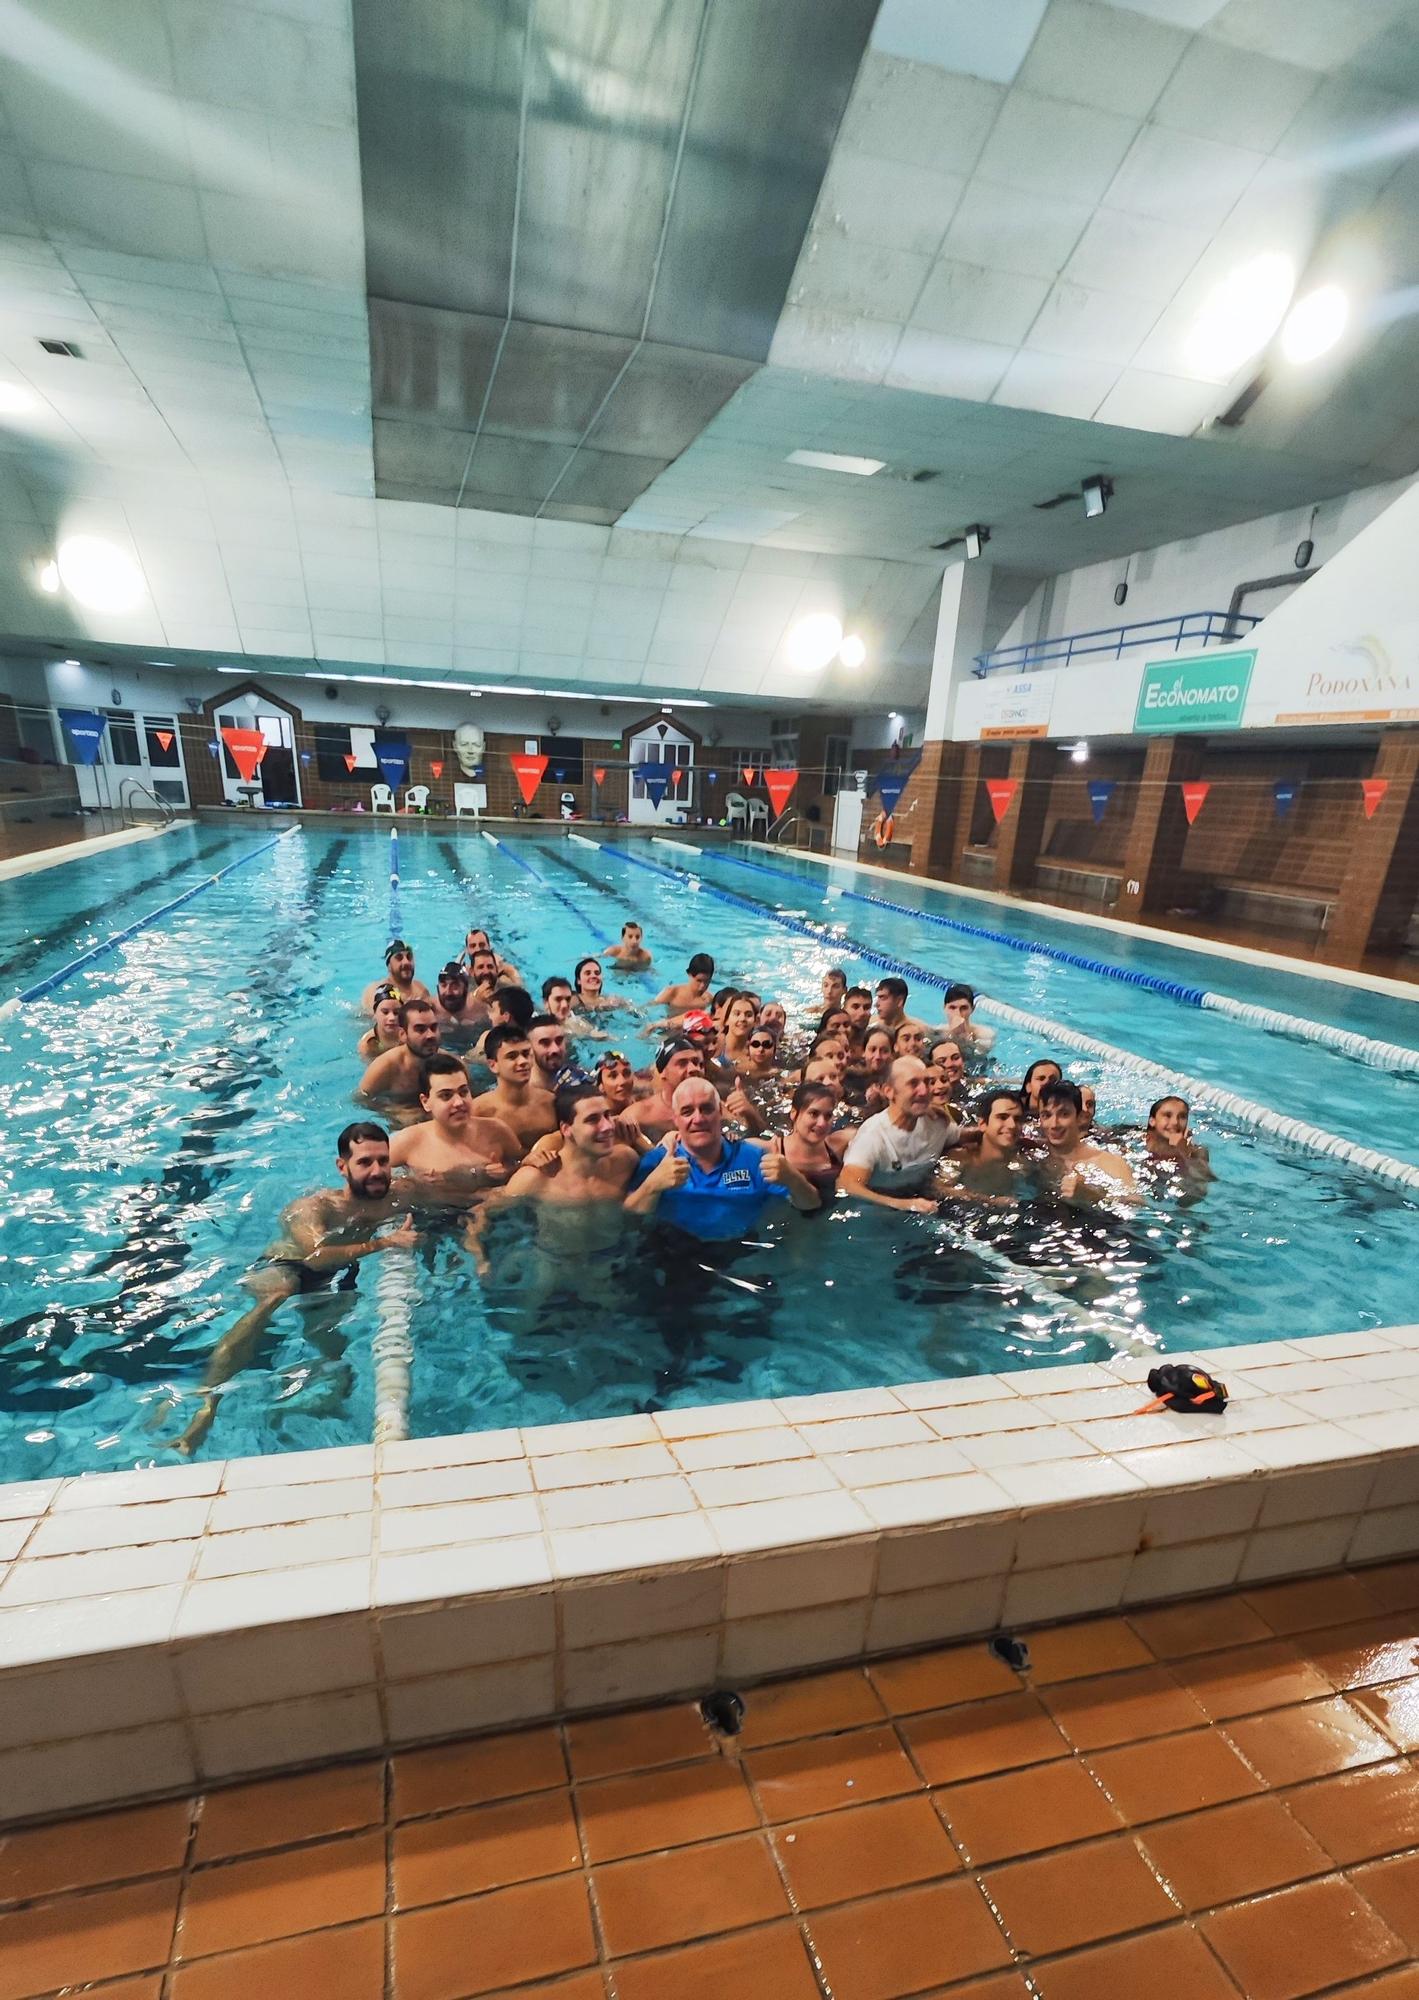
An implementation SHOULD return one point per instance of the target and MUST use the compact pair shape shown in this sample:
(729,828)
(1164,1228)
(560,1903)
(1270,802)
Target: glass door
(277,775)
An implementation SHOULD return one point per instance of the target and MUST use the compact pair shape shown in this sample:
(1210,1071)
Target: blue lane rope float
(395,924)
(1291,1131)
(48,984)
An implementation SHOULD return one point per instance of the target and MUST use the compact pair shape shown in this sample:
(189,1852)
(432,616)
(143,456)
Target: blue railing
(1188,628)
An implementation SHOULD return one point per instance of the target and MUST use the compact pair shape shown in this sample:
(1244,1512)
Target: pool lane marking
(659,840)
(396,1289)
(1292,1131)
(1363,1048)
(98,951)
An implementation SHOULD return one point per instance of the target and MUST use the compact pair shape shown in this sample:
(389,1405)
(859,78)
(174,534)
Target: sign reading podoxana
(1208,692)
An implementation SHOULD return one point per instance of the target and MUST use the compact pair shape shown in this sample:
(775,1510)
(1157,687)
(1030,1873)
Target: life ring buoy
(882,828)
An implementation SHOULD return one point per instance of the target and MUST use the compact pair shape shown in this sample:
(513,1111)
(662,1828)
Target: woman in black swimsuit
(810,1144)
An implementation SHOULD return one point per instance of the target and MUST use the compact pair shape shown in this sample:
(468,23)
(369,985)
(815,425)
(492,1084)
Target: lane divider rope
(491,838)
(396,1290)
(1364,1048)
(582,841)
(659,840)
(1291,1131)
(53,979)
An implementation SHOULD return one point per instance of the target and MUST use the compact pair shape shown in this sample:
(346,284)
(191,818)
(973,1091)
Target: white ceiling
(1024,207)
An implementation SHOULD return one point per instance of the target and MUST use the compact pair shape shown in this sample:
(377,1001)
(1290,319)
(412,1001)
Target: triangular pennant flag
(1002,791)
(677,772)
(1374,790)
(1101,790)
(1193,795)
(392,753)
(890,786)
(350,760)
(246,748)
(780,783)
(436,766)
(748,774)
(599,773)
(528,771)
(83,732)
(655,778)
(714,777)
(1284,793)
(164,737)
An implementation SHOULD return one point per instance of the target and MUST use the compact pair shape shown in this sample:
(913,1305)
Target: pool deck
(194,1624)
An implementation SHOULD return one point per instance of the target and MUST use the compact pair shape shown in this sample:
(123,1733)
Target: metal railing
(1187,628)
(781,827)
(126,807)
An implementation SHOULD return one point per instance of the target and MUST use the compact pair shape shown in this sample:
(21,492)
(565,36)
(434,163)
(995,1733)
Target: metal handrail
(125,807)
(1197,628)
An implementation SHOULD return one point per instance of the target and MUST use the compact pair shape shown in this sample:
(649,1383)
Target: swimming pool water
(163,1106)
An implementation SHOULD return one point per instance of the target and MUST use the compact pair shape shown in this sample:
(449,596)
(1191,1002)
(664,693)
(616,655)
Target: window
(123,746)
(161,732)
(565,761)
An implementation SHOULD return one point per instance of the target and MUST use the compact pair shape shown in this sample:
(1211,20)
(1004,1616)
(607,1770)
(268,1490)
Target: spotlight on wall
(853,651)
(1080,753)
(976,539)
(1097,494)
(813,641)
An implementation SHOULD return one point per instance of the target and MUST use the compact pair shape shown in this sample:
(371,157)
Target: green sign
(1208,692)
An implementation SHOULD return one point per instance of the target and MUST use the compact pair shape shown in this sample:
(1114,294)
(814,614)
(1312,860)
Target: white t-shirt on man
(898,1161)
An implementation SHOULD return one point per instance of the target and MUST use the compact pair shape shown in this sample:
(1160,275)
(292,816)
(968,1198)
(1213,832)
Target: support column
(1153,860)
(1022,830)
(944,782)
(1381,880)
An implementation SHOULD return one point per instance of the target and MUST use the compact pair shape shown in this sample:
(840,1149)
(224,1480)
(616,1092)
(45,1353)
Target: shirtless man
(592,1165)
(549,1051)
(461,1018)
(508,1053)
(910,1039)
(557,999)
(484,976)
(480,941)
(687,994)
(1077,1170)
(397,1076)
(384,1035)
(630,954)
(990,1170)
(674,1061)
(323,1240)
(857,1005)
(399,973)
(834,988)
(959,1006)
(510,1007)
(892,1004)
(453,1144)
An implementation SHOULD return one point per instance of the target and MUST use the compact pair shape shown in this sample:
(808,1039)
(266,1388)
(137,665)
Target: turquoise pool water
(162,1106)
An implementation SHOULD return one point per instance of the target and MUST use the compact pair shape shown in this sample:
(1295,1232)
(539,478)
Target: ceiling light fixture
(853,650)
(1239,316)
(1080,753)
(976,538)
(1314,324)
(49,577)
(16,400)
(1097,492)
(837,461)
(101,576)
(813,641)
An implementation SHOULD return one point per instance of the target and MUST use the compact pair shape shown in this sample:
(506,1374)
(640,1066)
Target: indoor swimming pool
(163,1104)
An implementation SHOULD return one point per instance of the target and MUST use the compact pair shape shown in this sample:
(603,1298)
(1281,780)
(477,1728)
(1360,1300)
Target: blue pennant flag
(714,777)
(1101,790)
(1284,792)
(83,732)
(391,753)
(655,778)
(890,785)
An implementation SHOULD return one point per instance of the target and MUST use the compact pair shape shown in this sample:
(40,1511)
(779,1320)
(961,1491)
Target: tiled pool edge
(184,1626)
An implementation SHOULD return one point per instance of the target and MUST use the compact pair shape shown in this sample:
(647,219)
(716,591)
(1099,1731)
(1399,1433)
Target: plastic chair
(381,799)
(469,799)
(758,816)
(736,808)
(416,798)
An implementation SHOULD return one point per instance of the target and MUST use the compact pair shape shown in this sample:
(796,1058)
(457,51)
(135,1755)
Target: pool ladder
(130,815)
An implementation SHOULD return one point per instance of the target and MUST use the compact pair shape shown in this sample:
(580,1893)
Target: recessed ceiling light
(1314,324)
(16,400)
(49,577)
(1240,315)
(68,663)
(1080,753)
(837,461)
(813,641)
(101,576)
(853,651)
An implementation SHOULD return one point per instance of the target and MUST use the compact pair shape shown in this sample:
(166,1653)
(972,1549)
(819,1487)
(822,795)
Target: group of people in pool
(738,1112)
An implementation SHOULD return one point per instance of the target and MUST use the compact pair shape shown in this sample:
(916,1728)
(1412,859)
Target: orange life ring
(882,828)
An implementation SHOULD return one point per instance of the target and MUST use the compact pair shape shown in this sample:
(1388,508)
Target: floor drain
(724,1711)
(1014,1652)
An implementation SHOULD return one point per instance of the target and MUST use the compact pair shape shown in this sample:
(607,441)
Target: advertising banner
(1208,692)
(1015,709)
(1359,682)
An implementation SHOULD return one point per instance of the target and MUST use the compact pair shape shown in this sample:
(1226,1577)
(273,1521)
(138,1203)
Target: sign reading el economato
(1208,692)
(1012,710)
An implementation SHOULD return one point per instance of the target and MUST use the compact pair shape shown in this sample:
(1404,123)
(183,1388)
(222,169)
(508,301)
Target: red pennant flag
(164,737)
(1193,795)
(677,772)
(599,773)
(350,760)
(748,774)
(247,748)
(1374,790)
(436,766)
(528,771)
(780,784)
(1002,791)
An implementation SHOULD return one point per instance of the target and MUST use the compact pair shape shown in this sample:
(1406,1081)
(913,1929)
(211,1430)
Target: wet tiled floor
(1210,1799)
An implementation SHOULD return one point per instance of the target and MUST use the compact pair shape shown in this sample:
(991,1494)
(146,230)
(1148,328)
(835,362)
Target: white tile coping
(176,1627)
(77,850)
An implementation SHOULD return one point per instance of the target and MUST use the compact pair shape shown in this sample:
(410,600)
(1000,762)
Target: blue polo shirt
(725,1202)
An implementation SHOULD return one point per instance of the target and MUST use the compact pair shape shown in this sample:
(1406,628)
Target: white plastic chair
(381,799)
(469,799)
(736,808)
(416,797)
(758,815)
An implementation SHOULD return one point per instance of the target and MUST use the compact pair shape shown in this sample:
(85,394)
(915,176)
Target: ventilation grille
(64,347)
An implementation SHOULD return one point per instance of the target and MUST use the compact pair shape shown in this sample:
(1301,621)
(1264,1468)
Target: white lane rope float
(1364,1048)
(396,1288)
(491,838)
(581,840)
(659,840)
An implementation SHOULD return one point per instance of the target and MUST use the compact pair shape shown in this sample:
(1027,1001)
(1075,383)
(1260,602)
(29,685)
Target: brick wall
(1238,837)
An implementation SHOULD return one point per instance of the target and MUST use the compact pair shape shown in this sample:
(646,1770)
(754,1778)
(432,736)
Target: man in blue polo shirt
(707,1185)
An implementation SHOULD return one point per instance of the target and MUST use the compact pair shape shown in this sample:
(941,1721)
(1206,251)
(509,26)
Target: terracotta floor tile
(322,1965)
(1203,1625)
(742,1967)
(1394,1585)
(689,1892)
(472,1774)
(247,1818)
(1291,1744)
(1023,1812)
(814,1705)
(1302,1940)
(1174,1774)
(1062,1900)
(533,1931)
(1000,1986)
(1247,1679)
(1172,1964)
(670,1808)
(581,1986)
(1402,1984)
(98,1935)
(891,1945)
(83,1853)
(829,1773)
(1361,1814)
(147,1986)
(1098,1646)
(603,1746)
(1393,1888)
(1383,1648)
(1233,1851)
(1122,1708)
(982,1737)
(937,1680)
(276,1895)
(1311,1601)
(487,1847)
(1394,1709)
(861,1853)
